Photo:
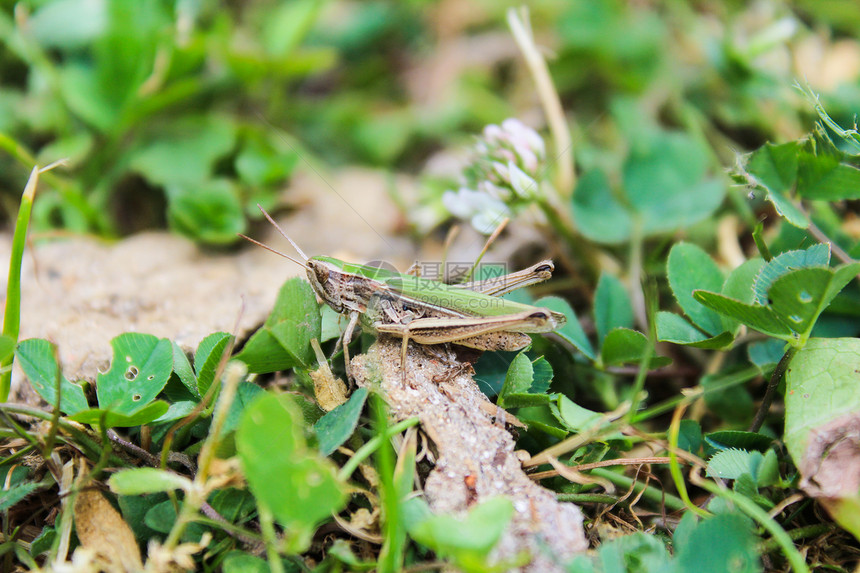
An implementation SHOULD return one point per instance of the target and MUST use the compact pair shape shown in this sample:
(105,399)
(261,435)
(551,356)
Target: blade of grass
(12,314)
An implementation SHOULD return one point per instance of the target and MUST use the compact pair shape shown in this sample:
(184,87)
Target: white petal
(456,204)
(524,185)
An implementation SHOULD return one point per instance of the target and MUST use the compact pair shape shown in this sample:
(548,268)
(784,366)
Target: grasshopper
(426,311)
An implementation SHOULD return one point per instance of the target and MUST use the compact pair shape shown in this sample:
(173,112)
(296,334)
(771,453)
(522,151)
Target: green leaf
(287,24)
(673,328)
(774,168)
(664,180)
(176,411)
(284,341)
(724,439)
(185,153)
(739,286)
(824,176)
(134,509)
(799,297)
(208,211)
(111,419)
(768,472)
(335,427)
(294,482)
(182,369)
(626,346)
(519,378)
(690,436)
(468,541)
(573,416)
(141,365)
(730,464)
(725,538)
(68,24)
(161,517)
(758,317)
(731,403)
(612,308)
(766,354)
(36,358)
(542,376)
(245,395)
(572,331)
(15,493)
(820,386)
(208,357)
(78,85)
(815,256)
(690,268)
(241,562)
(639,552)
(598,215)
(147,480)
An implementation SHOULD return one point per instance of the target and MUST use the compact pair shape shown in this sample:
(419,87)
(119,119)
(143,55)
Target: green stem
(798,533)
(653,494)
(675,467)
(733,379)
(82,440)
(196,495)
(371,446)
(267,528)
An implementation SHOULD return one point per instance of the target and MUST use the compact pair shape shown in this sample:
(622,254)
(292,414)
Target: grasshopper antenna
(277,252)
(281,231)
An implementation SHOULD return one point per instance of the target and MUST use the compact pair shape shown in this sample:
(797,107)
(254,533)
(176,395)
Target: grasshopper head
(326,280)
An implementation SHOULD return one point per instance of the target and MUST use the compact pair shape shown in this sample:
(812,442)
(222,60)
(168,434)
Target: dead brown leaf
(103,531)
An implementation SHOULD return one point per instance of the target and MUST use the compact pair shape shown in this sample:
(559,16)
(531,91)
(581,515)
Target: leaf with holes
(141,365)
(799,297)
(815,256)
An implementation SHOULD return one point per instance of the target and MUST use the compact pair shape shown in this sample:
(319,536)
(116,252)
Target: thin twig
(781,368)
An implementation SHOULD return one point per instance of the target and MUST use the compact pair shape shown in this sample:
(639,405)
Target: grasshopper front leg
(347,338)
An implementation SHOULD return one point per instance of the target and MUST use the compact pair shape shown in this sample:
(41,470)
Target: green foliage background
(187,114)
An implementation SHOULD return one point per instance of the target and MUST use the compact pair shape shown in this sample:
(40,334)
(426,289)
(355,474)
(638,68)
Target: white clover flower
(478,207)
(503,177)
(524,137)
